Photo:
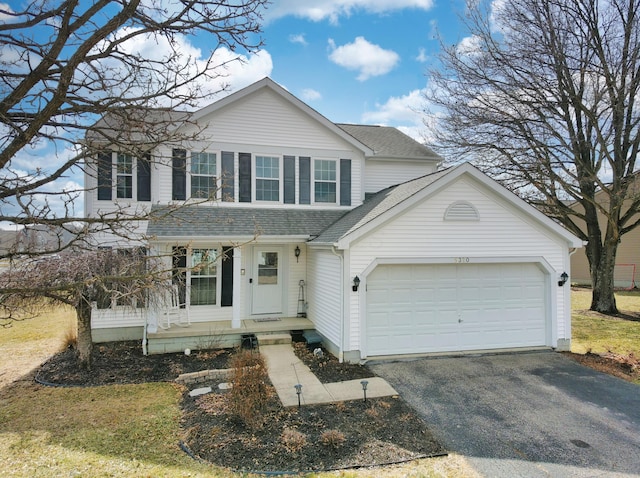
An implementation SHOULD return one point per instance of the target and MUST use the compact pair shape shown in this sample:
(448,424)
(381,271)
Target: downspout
(341,350)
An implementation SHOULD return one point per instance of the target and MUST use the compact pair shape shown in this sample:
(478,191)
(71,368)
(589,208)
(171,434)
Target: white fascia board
(229,239)
(453,175)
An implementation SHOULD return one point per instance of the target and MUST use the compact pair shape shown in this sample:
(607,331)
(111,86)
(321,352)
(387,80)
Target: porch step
(273,339)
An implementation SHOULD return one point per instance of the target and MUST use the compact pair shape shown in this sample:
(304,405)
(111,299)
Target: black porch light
(297,253)
(356,283)
(564,277)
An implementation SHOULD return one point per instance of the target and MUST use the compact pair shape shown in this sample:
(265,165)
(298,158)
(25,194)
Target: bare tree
(543,95)
(85,77)
(83,281)
(64,65)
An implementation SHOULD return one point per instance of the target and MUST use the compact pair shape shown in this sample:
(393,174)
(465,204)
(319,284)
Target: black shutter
(105,172)
(144,178)
(228,194)
(305,180)
(179,168)
(244,177)
(345,182)
(289,180)
(226,292)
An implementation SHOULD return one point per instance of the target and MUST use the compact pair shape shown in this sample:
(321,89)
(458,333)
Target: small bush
(293,440)
(249,394)
(332,438)
(70,338)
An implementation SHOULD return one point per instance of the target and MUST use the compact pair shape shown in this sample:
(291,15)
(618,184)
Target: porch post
(237,281)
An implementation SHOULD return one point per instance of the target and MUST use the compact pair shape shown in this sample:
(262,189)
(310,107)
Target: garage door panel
(448,307)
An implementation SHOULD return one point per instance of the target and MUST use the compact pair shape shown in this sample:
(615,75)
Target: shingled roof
(374,207)
(214,221)
(389,142)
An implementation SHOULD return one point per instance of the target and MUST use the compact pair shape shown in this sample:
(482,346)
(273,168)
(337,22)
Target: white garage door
(449,307)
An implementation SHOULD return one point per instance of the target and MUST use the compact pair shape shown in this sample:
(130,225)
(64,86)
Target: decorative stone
(200,391)
(225,386)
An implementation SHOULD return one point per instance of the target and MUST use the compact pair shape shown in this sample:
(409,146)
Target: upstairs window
(132,176)
(124,176)
(267,178)
(324,180)
(203,175)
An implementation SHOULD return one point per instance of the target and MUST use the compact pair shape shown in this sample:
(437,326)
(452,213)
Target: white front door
(267,281)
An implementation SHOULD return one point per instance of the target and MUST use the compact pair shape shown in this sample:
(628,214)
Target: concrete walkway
(286,370)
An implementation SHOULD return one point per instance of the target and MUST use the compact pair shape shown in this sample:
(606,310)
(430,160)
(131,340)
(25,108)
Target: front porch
(219,334)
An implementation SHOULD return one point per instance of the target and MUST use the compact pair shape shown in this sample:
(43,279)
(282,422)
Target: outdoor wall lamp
(297,253)
(364,384)
(298,388)
(564,277)
(356,283)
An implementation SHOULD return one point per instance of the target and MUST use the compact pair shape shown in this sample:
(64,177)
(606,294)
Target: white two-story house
(276,218)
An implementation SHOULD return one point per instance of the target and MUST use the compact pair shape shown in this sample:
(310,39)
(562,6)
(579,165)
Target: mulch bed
(123,362)
(621,366)
(319,437)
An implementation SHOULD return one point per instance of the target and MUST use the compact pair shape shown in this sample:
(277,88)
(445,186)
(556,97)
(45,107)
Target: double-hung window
(124,176)
(203,175)
(324,180)
(267,178)
(204,276)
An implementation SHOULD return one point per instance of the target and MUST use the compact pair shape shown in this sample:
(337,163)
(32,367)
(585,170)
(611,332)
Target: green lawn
(116,431)
(597,333)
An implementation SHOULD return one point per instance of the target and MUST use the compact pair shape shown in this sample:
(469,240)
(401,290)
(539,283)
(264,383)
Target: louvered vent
(461,211)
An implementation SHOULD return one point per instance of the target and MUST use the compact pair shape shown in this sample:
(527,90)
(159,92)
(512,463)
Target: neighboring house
(431,261)
(627,269)
(9,244)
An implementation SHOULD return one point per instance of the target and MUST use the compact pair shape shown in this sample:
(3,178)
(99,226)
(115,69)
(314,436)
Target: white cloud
(232,69)
(309,94)
(317,10)
(469,45)
(367,58)
(402,109)
(422,56)
(298,38)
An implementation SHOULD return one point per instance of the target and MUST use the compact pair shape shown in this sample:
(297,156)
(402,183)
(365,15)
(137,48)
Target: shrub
(70,338)
(249,394)
(332,438)
(293,440)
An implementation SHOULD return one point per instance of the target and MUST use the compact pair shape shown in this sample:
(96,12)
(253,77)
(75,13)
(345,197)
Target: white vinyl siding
(381,174)
(324,279)
(422,233)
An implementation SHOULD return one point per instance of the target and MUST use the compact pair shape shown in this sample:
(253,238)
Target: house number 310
(461,260)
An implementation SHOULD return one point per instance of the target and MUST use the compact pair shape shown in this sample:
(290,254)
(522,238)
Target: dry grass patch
(598,333)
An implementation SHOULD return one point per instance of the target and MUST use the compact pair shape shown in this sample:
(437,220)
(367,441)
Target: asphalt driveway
(525,415)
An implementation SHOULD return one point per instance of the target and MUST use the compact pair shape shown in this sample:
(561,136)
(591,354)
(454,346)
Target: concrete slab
(286,370)
(200,391)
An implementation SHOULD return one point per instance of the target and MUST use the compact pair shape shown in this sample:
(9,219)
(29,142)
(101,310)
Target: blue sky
(359,61)
(354,61)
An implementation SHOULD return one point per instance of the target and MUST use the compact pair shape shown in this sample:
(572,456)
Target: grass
(116,431)
(599,333)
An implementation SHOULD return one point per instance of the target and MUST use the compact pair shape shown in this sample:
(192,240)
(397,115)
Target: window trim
(130,174)
(255,178)
(336,163)
(190,276)
(190,173)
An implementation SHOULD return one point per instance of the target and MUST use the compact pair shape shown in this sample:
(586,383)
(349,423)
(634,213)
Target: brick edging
(204,376)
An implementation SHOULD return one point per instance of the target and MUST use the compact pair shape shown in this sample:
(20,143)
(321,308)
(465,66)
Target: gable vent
(461,211)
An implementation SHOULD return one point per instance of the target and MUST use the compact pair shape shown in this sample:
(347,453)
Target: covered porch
(219,334)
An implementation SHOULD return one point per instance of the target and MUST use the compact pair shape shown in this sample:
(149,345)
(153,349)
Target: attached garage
(446,263)
(424,308)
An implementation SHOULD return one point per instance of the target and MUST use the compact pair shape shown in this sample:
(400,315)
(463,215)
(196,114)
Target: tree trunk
(602,279)
(85,341)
